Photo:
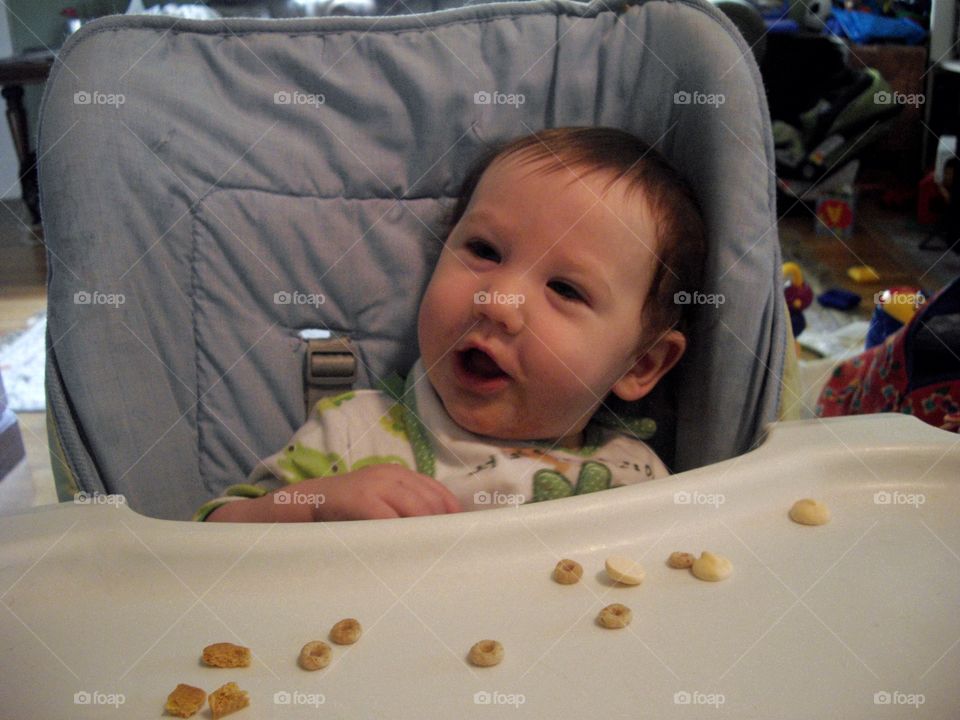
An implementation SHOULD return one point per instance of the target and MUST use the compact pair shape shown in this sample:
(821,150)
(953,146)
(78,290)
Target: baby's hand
(374,492)
(377,492)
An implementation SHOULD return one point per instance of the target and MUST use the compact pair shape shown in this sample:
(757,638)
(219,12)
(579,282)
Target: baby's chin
(478,424)
(503,429)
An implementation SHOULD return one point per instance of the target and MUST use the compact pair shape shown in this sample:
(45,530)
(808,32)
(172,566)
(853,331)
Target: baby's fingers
(448,501)
(416,494)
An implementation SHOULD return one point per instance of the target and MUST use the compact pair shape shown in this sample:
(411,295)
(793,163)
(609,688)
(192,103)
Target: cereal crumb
(226,655)
(185,701)
(346,632)
(568,572)
(810,512)
(680,560)
(711,567)
(615,616)
(486,653)
(624,570)
(227,699)
(315,655)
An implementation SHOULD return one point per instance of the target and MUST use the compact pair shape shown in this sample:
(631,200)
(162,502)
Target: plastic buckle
(331,367)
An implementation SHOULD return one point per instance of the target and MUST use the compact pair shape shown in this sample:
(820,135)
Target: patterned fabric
(915,371)
(412,429)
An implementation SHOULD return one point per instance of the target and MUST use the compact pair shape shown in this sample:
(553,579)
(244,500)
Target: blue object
(774,12)
(867,27)
(882,325)
(798,323)
(782,26)
(839,299)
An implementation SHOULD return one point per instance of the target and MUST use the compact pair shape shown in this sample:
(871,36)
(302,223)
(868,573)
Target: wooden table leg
(17,120)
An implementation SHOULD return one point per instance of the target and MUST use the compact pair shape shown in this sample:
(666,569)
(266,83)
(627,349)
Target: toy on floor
(839,299)
(914,371)
(798,294)
(894,308)
(835,211)
(863,274)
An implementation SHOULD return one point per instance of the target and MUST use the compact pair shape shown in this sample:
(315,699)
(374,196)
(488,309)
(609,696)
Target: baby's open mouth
(479,364)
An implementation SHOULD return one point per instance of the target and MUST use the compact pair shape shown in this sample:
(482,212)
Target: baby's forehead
(607,185)
(574,212)
(508,178)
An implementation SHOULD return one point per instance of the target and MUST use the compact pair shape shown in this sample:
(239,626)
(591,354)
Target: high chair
(211,190)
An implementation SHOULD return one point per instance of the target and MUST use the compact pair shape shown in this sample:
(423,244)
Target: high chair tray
(106,611)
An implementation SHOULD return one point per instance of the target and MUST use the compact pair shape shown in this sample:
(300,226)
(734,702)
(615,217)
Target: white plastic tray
(105,611)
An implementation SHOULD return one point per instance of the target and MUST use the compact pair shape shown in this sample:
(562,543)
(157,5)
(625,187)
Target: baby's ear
(650,366)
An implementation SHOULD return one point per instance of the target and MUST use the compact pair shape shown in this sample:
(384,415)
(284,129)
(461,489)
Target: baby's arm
(373,492)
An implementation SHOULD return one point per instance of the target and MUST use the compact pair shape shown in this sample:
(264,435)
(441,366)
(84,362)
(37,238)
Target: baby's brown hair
(681,231)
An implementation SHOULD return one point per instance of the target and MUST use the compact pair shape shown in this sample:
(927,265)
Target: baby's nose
(500,307)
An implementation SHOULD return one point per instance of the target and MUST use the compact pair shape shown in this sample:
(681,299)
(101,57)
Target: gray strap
(331,368)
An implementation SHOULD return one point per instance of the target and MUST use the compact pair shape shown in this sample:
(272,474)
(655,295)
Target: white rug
(22,359)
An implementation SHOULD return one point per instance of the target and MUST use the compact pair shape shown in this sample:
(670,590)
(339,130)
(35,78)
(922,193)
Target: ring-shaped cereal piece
(315,655)
(568,572)
(615,616)
(346,632)
(486,653)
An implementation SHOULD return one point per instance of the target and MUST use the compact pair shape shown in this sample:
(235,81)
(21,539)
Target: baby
(554,290)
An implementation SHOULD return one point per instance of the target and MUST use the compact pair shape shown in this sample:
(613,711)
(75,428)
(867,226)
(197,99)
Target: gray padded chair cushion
(194,169)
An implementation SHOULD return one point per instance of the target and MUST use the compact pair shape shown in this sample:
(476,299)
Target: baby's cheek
(429,331)
(562,391)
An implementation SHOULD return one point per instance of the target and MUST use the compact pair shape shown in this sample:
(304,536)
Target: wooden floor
(885,239)
(22,296)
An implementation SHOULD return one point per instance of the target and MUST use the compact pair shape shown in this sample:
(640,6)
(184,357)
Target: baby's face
(533,313)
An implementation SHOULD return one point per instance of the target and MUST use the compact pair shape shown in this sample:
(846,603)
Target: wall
(29,25)
(9,182)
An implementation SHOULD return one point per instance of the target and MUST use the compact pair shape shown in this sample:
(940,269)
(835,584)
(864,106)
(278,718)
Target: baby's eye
(483,250)
(566,291)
